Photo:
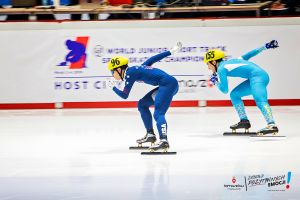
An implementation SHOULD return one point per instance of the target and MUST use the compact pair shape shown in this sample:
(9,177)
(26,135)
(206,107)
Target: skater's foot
(270,129)
(244,123)
(149,137)
(163,144)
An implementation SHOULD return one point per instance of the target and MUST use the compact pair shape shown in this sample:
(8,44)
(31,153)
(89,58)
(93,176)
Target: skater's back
(146,74)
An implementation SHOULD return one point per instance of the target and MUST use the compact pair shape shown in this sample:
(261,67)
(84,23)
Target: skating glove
(214,78)
(110,84)
(272,45)
(176,48)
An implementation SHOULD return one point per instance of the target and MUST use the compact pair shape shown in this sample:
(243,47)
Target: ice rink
(84,154)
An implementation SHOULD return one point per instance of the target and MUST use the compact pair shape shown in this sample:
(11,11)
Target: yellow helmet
(117,61)
(213,54)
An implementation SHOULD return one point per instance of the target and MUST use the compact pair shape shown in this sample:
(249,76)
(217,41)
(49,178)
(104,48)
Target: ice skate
(149,137)
(270,129)
(244,123)
(163,144)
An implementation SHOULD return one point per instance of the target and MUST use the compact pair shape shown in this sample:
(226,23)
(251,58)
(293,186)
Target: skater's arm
(125,93)
(156,58)
(252,53)
(271,45)
(222,84)
(128,85)
(160,56)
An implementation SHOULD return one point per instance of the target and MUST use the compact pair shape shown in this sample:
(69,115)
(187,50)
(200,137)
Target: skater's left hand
(272,45)
(110,84)
(214,78)
(176,48)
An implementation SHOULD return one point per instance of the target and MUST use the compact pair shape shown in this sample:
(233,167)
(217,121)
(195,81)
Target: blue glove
(272,45)
(214,78)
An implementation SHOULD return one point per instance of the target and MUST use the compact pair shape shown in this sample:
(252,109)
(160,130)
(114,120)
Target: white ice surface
(83,154)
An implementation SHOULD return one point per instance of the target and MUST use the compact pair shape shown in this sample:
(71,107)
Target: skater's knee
(155,115)
(234,96)
(141,104)
(158,115)
(260,102)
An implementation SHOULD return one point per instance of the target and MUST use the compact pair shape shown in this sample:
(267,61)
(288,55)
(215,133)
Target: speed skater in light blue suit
(161,96)
(255,85)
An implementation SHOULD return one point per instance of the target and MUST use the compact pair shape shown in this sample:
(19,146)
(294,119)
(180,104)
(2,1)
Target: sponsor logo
(193,86)
(164,129)
(233,179)
(132,52)
(195,83)
(76,58)
(78,85)
(256,180)
(99,51)
(235,186)
(288,180)
(261,180)
(76,70)
(268,110)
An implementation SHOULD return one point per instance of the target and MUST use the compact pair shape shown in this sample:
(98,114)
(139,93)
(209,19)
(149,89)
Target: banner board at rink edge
(44,66)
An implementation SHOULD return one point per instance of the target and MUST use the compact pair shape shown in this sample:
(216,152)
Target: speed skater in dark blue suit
(161,96)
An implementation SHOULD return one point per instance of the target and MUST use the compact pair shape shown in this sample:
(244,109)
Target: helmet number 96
(210,55)
(115,62)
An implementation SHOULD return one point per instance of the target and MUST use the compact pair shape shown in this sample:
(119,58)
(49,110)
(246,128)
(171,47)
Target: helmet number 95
(210,55)
(115,62)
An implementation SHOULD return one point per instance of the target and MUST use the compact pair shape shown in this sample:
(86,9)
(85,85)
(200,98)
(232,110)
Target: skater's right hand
(272,45)
(214,78)
(176,48)
(110,84)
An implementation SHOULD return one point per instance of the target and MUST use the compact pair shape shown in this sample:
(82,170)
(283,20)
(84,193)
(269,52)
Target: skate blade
(234,130)
(137,148)
(238,133)
(268,137)
(140,146)
(158,153)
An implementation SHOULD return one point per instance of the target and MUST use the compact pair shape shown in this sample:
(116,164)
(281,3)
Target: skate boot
(163,144)
(149,137)
(270,129)
(244,123)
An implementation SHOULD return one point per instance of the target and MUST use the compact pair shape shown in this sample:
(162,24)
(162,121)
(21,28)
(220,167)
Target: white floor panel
(83,154)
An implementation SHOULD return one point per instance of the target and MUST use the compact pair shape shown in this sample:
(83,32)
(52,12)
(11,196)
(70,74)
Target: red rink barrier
(272,102)
(122,104)
(133,104)
(27,106)
(118,104)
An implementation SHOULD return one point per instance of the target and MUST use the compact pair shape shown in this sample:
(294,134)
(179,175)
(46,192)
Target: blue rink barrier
(50,2)
(5,2)
(62,2)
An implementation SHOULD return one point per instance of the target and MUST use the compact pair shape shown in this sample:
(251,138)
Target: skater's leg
(162,103)
(260,95)
(236,95)
(143,106)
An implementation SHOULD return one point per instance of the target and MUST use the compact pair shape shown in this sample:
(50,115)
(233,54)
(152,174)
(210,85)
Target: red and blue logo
(233,179)
(76,58)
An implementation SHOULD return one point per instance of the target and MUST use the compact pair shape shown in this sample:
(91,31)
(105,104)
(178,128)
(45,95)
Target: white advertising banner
(71,65)
(26,72)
